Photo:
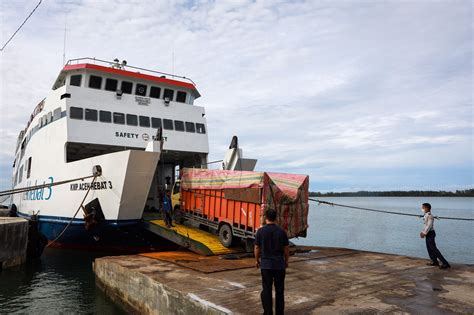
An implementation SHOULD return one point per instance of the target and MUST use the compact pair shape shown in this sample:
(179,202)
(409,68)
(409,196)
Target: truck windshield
(176,188)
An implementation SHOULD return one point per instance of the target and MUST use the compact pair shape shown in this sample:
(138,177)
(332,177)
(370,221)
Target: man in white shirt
(430,234)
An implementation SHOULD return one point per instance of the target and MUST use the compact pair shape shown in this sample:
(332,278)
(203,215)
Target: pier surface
(13,241)
(319,281)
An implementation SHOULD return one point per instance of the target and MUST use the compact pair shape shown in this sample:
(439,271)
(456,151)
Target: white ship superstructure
(106,113)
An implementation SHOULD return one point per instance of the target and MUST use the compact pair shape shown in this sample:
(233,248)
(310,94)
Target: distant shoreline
(408,193)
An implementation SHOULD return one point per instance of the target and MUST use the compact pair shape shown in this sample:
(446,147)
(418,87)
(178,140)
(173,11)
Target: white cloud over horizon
(359,95)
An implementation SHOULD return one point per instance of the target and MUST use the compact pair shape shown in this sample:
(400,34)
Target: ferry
(132,127)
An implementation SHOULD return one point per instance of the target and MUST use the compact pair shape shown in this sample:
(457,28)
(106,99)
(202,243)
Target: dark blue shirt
(272,239)
(166,204)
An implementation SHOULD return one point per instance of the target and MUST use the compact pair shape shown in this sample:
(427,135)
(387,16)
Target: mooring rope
(79,208)
(386,211)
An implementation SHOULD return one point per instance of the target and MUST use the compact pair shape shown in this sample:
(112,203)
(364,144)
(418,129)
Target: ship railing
(128,67)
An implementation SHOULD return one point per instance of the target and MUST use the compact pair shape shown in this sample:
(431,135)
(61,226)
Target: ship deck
(319,280)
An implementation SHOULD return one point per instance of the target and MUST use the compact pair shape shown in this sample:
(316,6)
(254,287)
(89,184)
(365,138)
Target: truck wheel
(225,235)
(249,245)
(178,215)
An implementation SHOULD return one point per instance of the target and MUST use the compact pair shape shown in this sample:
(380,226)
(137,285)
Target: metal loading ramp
(194,239)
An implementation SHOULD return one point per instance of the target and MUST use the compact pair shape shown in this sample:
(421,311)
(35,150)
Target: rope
(70,221)
(25,189)
(27,18)
(385,211)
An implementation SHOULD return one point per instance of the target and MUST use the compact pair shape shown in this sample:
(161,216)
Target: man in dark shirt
(167,208)
(272,253)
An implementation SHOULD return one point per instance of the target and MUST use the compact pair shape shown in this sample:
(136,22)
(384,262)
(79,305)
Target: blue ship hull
(108,235)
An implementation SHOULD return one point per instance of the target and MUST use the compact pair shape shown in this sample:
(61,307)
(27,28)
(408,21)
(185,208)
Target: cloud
(323,88)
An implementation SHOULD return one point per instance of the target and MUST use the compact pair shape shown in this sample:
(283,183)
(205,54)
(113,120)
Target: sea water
(387,233)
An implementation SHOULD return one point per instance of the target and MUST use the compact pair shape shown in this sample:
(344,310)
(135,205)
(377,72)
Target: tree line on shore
(397,193)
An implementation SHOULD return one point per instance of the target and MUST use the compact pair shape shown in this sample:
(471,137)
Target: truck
(232,203)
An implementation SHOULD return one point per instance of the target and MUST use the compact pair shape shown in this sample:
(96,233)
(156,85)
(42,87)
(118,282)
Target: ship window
(91,114)
(178,125)
(57,113)
(132,120)
(200,128)
(190,127)
(75,80)
(119,118)
(155,122)
(75,113)
(126,87)
(168,124)
(50,117)
(28,167)
(95,82)
(105,116)
(111,85)
(21,174)
(140,89)
(181,97)
(155,92)
(65,95)
(144,121)
(168,94)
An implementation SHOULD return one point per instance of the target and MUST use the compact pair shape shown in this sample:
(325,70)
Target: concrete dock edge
(140,293)
(13,241)
(318,281)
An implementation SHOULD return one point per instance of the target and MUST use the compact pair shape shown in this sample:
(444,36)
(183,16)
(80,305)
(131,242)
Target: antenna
(172,63)
(64,43)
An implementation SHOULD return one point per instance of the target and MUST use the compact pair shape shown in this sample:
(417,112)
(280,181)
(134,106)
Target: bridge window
(126,87)
(95,82)
(155,92)
(105,116)
(74,113)
(119,118)
(168,94)
(178,125)
(140,89)
(144,121)
(49,117)
(190,127)
(111,85)
(132,120)
(155,122)
(91,114)
(200,128)
(167,124)
(75,80)
(181,97)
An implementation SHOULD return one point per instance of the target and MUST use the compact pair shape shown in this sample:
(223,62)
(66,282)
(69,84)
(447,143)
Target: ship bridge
(112,107)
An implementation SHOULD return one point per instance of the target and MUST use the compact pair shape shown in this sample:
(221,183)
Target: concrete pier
(13,241)
(319,281)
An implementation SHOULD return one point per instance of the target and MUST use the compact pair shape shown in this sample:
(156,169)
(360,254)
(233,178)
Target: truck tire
(178,215)
(225,235)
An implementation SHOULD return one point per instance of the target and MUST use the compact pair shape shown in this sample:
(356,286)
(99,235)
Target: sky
(359,95)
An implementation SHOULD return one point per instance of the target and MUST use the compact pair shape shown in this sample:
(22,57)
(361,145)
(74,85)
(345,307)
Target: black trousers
(433,251)
(168,219)
(270,277)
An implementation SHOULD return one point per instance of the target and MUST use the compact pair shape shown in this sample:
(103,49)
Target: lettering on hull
(131,135)
(95,186)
